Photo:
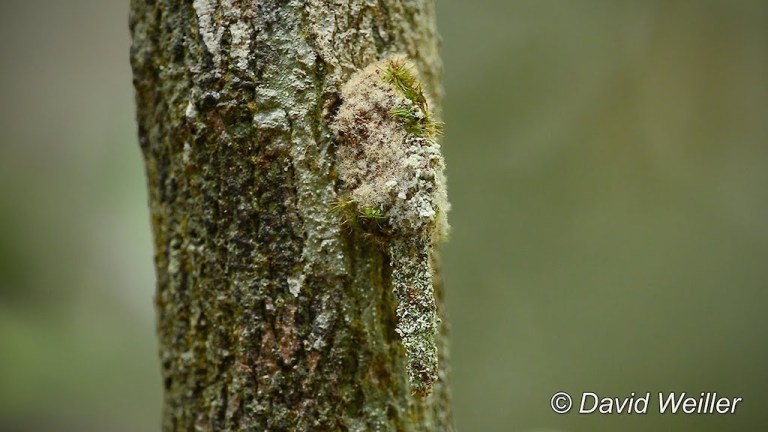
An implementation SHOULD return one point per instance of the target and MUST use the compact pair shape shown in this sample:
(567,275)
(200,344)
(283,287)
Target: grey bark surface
(271,316)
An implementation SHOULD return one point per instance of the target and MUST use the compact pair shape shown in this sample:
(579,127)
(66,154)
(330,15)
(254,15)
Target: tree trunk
(271,315)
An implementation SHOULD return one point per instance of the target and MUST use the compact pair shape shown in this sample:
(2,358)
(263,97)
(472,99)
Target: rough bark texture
(271,316)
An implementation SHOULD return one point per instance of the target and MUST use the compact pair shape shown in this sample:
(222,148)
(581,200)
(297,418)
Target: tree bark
(271,316)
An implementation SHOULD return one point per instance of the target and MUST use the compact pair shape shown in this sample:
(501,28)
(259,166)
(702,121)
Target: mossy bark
(271,316)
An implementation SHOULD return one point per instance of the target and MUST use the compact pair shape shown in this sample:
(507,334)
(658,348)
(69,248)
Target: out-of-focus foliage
(607,166)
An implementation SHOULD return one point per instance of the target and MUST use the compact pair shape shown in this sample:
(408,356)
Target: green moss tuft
(417,122)
(368,221)
(371,213)
(400,76)
(416,117)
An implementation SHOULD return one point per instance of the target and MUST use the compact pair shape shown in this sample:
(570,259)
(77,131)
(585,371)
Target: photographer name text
(641,403)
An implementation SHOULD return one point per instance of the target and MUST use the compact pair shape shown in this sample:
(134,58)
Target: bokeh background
(608,169)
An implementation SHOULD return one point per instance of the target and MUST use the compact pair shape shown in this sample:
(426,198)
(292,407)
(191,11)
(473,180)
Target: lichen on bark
(271,316)
(391,171)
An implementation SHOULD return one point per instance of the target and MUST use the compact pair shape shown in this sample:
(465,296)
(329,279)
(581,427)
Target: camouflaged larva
(392,187)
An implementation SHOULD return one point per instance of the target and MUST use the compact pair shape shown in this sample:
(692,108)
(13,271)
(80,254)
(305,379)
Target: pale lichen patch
(274,119)
(186,154)
(190,112)
(206,10)
(241,43)
(294,285)
(214,21)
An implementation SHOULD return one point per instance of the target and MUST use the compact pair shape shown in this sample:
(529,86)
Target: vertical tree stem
(270,315)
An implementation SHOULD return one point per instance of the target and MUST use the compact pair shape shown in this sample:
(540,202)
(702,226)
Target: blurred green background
(608,169)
